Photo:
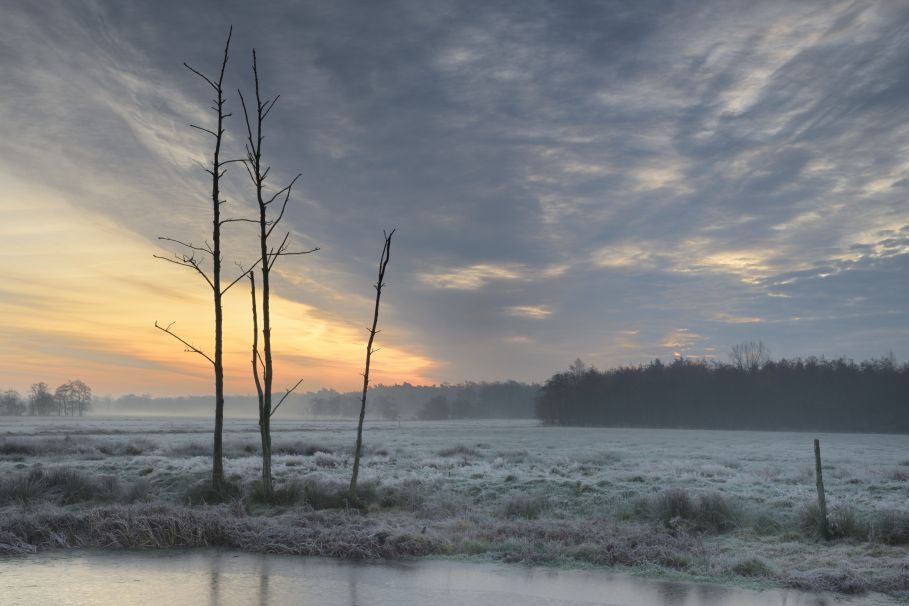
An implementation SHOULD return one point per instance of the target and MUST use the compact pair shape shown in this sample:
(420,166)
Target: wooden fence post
(821,499)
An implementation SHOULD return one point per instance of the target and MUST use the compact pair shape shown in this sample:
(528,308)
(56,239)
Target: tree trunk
(383,263)
(268,256)
(214,282)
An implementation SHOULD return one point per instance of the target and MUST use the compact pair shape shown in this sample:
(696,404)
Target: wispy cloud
(536,312)
(725,170)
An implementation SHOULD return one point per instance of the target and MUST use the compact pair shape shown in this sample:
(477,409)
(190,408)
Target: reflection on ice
(220,578)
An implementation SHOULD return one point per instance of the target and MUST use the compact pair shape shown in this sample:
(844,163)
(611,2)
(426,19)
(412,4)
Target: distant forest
(750,393)
(499,400)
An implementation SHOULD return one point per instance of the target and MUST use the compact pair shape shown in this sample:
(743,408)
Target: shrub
(192,449)
(139,490)
(767,522)
(528,507)
(11,447)
(845,522)
(809,519)
(203,493)
(322,493)
(458,450)
(23,488)
(408,495)
(299,449)
(710,512)
(287,493)
(890,528)
(603,458)
(752,567)
(673,504)
(715,514)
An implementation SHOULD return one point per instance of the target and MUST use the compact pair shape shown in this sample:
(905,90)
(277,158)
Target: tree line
(402,402)
(73,398)
(749,393)
(470,400)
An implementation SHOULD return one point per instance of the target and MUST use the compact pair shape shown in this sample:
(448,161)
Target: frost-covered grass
(735,505)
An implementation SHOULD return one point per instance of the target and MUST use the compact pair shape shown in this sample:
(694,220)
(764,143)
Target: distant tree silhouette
(258,172)
(498,400)
(73,398)
(194,257)
(81,395)
(435,409)
(806,394)
(62,397)
(749,355)
(380,282)
(41,401)
(11,404)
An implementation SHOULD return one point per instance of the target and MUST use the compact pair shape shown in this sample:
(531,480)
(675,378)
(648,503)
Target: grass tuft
(752,567)
(458,450)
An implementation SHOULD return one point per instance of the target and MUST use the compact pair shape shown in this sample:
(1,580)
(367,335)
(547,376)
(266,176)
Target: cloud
(535,312)
(473,277)
(653,167)
(681,339)
(731,319)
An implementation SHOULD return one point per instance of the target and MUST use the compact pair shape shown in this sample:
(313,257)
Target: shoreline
(634,549)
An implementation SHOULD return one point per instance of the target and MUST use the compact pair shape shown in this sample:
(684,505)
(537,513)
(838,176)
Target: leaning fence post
(821,499)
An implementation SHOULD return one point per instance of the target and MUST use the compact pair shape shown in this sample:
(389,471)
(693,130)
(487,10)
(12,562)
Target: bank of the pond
(355,536)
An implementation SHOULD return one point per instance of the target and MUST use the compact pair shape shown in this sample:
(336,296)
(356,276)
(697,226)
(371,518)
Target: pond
(226,578)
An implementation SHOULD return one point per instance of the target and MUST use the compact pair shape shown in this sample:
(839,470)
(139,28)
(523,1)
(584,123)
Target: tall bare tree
(383,263)
(193,257)
(750,355)
(40,400)
(63,396)
(82,396)
(269,254)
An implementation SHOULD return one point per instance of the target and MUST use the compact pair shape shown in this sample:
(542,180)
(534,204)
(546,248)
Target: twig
(284,397)
(189,346)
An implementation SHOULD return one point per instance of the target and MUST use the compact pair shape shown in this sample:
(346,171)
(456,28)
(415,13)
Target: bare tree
(11,403)
(258,172)
(63,396)
(40,400)
(81,395)
(750,355)
(193,257)
(383,263)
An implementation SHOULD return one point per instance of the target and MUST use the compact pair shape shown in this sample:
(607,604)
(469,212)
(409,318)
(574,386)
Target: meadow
(731,506)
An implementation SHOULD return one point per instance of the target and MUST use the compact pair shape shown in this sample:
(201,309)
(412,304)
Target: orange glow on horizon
(79,295)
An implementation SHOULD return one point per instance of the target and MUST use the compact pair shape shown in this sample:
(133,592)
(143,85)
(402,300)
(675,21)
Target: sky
(615,181)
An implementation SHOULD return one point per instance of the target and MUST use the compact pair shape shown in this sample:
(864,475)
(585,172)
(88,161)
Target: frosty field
(730,506)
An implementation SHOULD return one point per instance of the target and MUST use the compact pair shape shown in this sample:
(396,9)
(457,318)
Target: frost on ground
(731,505)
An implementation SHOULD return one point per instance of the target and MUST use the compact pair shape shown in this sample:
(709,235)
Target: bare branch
(240,277)
(210,132)
(185,261)
(286,192)
(270,105)
(284,397)
(238,220)
(286,253)
(206,249)
(189,346)
(246,117)
(201,75)
(274,255)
